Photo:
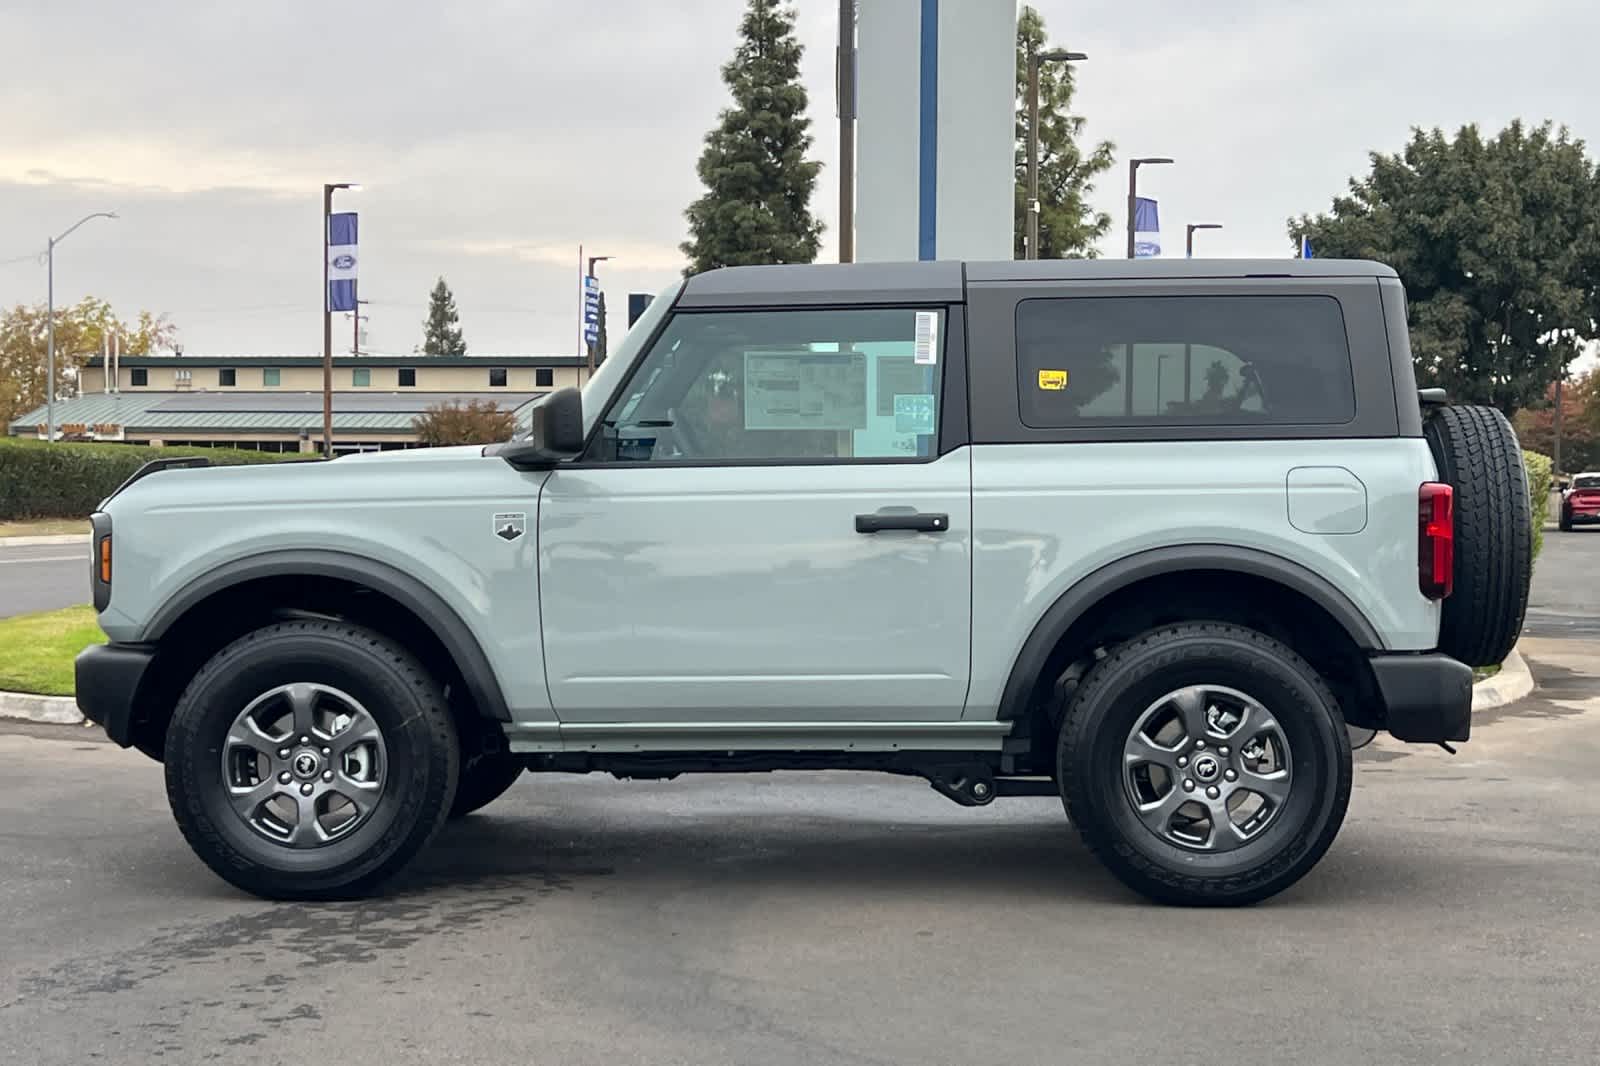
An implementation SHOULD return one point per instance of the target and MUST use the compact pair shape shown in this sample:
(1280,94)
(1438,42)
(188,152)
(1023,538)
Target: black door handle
(916,522)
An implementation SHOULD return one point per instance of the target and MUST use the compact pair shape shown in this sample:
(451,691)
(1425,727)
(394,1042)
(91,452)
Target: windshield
(1586,481)
(599,388)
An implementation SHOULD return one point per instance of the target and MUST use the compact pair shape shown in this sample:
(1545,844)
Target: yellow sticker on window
(1053,380)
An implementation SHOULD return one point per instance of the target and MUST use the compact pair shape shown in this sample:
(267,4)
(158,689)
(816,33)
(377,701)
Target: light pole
(50,322)
(587,343)
(1133,190)
(1188,237)
(327,318)
(1031,241)
(846,93)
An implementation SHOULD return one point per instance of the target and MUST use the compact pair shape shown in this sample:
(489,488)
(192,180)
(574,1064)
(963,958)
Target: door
(763,529)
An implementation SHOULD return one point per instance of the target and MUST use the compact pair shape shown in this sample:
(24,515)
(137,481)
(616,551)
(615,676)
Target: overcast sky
(496,135)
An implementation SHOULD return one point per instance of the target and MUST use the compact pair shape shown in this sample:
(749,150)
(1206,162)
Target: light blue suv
(1153,536)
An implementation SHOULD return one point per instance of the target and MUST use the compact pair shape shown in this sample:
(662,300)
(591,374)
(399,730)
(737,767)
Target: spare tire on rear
(1478,456)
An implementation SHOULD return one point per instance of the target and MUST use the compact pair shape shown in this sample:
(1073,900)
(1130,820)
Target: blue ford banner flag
(342,261)
(1146,229)
(1305,247)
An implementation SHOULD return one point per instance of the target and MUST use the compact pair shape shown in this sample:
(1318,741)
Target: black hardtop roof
(940,282)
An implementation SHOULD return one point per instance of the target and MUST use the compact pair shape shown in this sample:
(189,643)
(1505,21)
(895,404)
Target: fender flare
(1090,590)
(410,593)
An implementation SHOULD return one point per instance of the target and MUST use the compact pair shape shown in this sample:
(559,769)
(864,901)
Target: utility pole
(1031,238)
(356,318)
(50,323)
(846,93)
(327,318)
(1555,457)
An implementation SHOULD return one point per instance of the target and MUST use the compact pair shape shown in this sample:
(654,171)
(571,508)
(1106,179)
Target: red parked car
(1581,502)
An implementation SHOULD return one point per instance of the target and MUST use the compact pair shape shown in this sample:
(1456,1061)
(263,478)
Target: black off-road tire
(1103,712)
(1477,454)
(422,759)
(484,779)
(1564,521)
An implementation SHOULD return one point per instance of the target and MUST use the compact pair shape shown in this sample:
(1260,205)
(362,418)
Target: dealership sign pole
(338,292)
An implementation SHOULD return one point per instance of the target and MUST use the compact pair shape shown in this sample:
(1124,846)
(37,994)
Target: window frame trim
(953,380)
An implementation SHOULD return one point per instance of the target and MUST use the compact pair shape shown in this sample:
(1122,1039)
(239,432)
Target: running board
(531,738)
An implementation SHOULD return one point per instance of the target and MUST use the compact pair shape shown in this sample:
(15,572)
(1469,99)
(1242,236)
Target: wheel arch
(425,606)
(1078,614)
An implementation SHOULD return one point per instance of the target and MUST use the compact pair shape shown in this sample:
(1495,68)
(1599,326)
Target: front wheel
(310,760)
(1205,763)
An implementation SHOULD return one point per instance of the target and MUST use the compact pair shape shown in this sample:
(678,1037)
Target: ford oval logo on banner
(344,262)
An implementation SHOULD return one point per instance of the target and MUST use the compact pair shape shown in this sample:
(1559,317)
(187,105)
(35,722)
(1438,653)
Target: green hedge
(1540,479)
(39,480)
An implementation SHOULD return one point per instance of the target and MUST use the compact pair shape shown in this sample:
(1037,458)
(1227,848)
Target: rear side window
(1183,360)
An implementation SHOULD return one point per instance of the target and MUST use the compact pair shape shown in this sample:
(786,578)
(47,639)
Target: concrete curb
(52,710)
(55,538)
(1513,682)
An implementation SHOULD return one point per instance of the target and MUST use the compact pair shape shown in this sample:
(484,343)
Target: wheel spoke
(303,702)
(247,799)
(247,733)
(1225,835)
(361,729)
(1191,705)
(1274,786)
(1158,813)
(305,832)
(1141,749)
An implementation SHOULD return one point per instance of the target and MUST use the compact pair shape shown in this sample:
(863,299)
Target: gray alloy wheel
(304,764)
(1208,768)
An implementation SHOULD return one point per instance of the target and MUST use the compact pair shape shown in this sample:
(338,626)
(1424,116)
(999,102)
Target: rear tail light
(1436,540)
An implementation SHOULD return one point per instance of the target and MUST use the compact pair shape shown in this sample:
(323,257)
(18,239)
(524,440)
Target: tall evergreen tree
(1068,226)
(756,208)
(441,332)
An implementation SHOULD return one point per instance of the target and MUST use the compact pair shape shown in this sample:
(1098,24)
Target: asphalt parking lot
(828,918)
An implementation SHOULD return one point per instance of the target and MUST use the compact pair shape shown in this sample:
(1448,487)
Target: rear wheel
(1205,763)
(1564,523)
(310,760)
(1477,455)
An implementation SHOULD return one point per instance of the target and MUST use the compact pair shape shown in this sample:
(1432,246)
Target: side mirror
(555,433)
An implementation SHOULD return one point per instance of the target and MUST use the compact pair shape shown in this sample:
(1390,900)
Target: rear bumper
(1427,698)
(108,678)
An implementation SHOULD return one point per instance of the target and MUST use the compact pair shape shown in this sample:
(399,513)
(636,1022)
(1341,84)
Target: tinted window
(1188,360)
(227,376)
(782,385)
(408,377)
(139,376)
(497,377)
(1586,482)
(544,377)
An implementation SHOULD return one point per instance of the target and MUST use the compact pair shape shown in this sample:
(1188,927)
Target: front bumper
(1427,698)
(108,678)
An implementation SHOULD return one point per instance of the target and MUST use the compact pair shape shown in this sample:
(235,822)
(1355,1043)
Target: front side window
(798,386)
(1185,360)
(361,376)
(270,376)
(497,377)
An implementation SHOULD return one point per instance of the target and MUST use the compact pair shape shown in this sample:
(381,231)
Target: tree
(600,341)
(1580,423)
(81,330)
(756,208)
(473,422)
(441,332)
(1068,225)
(1498,243)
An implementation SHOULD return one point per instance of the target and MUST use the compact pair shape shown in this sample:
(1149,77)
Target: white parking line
(46,559)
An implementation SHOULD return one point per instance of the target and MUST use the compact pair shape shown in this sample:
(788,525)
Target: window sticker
(1052,380)
(913,413)
(805,390)
(926,350)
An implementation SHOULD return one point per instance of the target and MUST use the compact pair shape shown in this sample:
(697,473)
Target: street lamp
(50,322)
(1031,242)
(327,317)
(587,343)
(1133,190)
(1188,237)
